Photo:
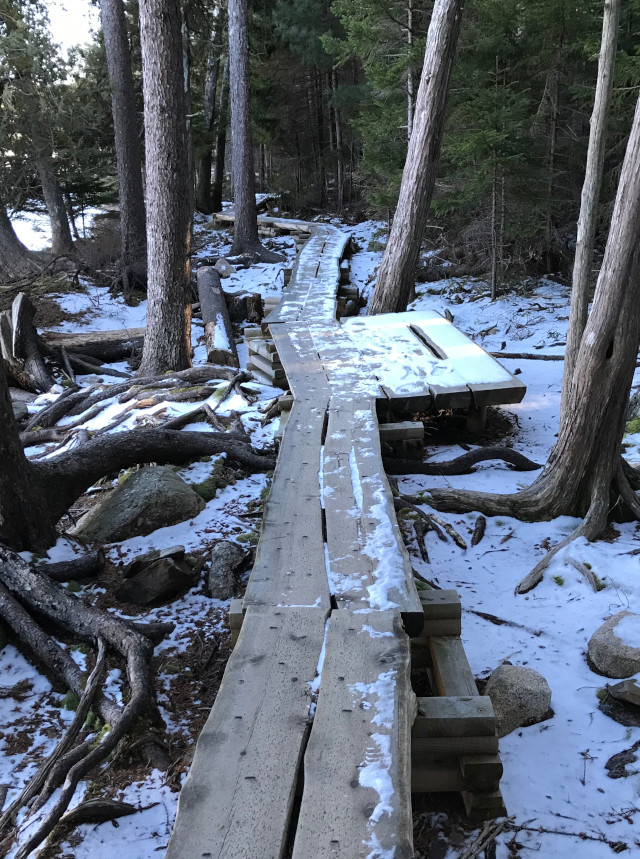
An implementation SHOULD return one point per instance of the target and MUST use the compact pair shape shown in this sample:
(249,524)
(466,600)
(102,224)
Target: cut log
(221,347)
(76,569)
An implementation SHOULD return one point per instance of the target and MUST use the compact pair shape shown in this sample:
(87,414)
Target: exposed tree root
(591,527)
(461,464)
(36,592)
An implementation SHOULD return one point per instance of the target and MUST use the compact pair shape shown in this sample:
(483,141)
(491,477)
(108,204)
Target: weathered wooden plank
(481,772)
(483,805)
(305,371)
(237,799)
(438,605)
(437,776)
(451,669)
(401,431)
(356,800)
(368,564)
(455,716)
(289,567)
(428,747)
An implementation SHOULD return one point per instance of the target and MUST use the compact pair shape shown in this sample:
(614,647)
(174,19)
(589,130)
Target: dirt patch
(49,314)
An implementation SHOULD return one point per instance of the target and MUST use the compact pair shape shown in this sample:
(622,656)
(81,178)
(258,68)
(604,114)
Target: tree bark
(591,190)
(167,344)
(245,236)
(127,141)
(203,167)
(61,241)
(397,269)
(23,508)
(14,256)
(221,141)
(220,342)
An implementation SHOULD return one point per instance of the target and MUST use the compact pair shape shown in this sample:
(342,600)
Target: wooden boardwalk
(307,750)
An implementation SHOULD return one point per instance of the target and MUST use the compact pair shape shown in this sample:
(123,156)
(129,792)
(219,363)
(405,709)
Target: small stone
(614,648)
(520,696)
(226,558)
(159,581)
(224,267)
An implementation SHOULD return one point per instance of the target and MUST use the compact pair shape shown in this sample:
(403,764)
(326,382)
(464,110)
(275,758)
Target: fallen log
(105,345)
(218,333)
(75,569)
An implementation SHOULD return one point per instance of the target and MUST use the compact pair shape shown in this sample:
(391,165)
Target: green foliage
(70,701)
(559,580)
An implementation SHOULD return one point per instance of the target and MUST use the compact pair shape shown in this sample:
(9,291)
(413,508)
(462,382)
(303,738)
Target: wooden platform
(317,700)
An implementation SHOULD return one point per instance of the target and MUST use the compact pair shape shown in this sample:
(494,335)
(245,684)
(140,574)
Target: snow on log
(221,346)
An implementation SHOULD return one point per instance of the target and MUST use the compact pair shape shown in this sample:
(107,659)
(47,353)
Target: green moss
(70,701)
(191,560)
(559,580)
(250,537)
(81,648)
(220,477)
(74,587)
(633,426)
(602,694)
(374,246)
(407,513)
(93,722)
(600,585)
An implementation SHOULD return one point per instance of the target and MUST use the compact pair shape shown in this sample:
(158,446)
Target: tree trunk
(585,463)
(14,257)
(410,82)
(221,141)
(186,74)
(24,523)
(397,269)
(61,241)
(245,237)
(591,191)
(167,344)
(127,142)
(203,168)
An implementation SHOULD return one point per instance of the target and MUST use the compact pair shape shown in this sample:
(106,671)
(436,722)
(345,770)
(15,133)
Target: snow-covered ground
(555,777)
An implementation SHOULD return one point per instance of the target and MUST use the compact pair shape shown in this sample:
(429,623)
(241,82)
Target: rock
(520,696)
(226,558)
(20,411)
(614,648)
(141,562)
(224,267)
(151,498)
(158,582)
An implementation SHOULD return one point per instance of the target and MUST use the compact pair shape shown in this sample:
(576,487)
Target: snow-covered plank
(297,352)
(417,353)
(357,767)
(237,799)
(367,563)
(289,567)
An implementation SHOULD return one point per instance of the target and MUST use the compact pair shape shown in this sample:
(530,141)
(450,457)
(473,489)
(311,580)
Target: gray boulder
(226,558)
(152,498)
(520,696)
(158,582)
(20,411)
(614,648)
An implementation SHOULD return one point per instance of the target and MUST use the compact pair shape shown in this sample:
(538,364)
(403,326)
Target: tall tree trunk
(127,142)
(397,269)
(410,81)
(591,191)
(203,167)
(339,152)
(61,241)
(24,523)
(221,141)
(186,73)
(245,238)
(167,343)
(585,464)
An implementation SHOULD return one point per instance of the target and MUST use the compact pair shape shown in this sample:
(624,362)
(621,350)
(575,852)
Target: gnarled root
(26,589)
(462,464)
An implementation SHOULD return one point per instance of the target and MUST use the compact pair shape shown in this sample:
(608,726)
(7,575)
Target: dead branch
(478,531)
(525,356)
(242,376)
(585,572)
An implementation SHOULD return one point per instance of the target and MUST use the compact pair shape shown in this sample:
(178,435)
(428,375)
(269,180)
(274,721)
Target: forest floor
(555,784)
